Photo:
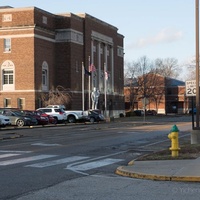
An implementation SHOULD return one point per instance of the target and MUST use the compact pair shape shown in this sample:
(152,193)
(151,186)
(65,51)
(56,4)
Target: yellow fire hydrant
(173,136)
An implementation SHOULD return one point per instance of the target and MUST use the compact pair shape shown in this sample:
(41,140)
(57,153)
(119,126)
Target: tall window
(21,103)
(7,103)
(45,76)
(7,45)
(7,76)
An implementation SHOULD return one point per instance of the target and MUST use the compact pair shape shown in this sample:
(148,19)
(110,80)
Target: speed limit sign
(190,87)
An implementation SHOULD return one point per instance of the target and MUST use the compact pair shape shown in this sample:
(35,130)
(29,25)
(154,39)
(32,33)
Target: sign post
(190,91)
(145,102)
(190,88)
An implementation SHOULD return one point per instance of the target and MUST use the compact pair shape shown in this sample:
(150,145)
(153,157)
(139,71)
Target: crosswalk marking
(8,155)
(57,162)
(45,144)
(94,164)
(78,164)
(22,160)
(10,151)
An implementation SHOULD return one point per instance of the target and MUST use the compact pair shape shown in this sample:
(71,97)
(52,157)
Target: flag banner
(106,75)
(87,72)
(92,68)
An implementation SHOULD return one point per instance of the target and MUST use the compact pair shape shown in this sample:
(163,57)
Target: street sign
(190,88)
(145,101)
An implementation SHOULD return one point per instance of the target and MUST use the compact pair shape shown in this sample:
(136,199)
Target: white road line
(10,151)
(97,158)
(45,144)
(95,164)
(22,160)
(8,155)
(57,162)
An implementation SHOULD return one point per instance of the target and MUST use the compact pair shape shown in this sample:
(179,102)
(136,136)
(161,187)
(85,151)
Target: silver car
(4,121)
(16,118)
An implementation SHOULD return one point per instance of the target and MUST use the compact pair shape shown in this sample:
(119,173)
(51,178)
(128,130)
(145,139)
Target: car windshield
(94,113)
(17,113)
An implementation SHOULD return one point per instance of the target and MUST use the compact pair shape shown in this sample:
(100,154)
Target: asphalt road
(78,162)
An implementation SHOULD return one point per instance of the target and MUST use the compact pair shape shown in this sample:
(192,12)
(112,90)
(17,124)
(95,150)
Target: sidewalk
(164,170)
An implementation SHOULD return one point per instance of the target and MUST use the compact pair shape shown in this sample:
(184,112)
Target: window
(169,91)
(44,20)
(45,78)
(21,103)
(7,103)
(7,76)
(120,51)
(7,45)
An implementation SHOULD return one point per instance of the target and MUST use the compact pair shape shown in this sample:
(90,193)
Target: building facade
(41,50)
(155,92)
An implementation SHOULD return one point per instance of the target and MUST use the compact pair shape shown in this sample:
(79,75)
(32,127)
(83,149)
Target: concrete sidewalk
(165,170)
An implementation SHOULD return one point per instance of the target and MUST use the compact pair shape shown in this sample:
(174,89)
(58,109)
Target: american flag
(106,75)
(92,68)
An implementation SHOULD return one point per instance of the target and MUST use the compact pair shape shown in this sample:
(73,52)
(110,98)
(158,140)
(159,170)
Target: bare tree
(57,96)
(167,67)
(147,79)
(191,69)
(134,71)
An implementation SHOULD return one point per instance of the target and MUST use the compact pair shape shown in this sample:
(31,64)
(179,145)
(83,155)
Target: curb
(127,173)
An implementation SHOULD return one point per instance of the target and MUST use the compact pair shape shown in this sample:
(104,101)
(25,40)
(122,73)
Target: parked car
(17,118)
(93,116)
(58,114)
(151,112)
(194,111)
(41,120)
(138,112)
(72,115)
(4,121)
(51,119)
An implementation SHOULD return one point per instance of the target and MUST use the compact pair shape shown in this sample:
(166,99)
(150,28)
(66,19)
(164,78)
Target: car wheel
(56,120)
(71,119)
(20,123)
(92,120)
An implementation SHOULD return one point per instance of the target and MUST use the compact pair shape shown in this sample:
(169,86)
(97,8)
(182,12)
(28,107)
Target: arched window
(45,76)
(8,75)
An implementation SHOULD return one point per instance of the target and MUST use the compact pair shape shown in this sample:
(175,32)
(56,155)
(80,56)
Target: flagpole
(89,85)
(105,91)
(83,99)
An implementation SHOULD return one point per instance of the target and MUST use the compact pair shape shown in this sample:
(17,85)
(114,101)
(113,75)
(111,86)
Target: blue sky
(152,28)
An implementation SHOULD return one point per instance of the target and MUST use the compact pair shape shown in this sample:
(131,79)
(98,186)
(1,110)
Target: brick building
(165,95)
(40,51)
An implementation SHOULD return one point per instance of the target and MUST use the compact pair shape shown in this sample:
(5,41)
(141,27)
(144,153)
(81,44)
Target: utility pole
(195,134)
(197,64)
